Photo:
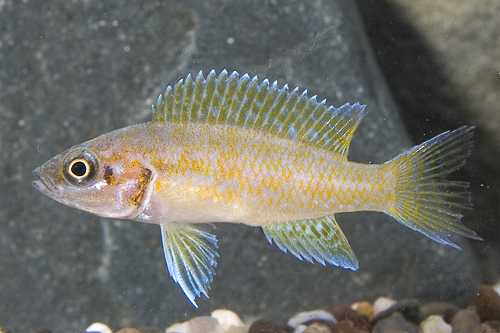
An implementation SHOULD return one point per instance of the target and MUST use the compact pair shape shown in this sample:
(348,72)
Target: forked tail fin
(424,201)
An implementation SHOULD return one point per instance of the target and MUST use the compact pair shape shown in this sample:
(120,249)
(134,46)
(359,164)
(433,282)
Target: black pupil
(79,169)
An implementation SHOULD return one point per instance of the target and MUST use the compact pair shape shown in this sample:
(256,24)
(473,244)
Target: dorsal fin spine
(235,101)
(279,112)
(177,107)
(237,115)
(249,101)
(226,106)
(267,106)
(290,104)
(217,98)
(311,108)
(187,100)
(197,96)
(207,95)
(169,101)
(300,122)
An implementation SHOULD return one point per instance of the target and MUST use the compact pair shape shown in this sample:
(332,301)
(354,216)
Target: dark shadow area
(429,105)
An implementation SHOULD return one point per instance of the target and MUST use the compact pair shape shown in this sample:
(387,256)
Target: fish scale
(230,148)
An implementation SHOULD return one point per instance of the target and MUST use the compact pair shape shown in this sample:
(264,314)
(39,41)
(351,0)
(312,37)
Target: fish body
(232,149)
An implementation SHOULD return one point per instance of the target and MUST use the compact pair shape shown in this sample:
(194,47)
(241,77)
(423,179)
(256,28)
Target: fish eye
(80,167)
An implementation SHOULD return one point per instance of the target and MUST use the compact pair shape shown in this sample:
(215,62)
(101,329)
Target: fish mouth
(41,184)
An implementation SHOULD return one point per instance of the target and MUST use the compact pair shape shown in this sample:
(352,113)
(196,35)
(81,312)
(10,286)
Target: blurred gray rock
(72,70)
(442,62)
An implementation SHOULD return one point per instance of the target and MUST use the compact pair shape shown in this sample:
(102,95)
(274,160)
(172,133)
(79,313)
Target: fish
(231,148)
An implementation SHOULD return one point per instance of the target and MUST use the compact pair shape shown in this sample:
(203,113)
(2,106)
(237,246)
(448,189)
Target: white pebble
(98,328)
(382,304)
(435,324)
(306,316)
(178,328)
(202,324)
(228,319)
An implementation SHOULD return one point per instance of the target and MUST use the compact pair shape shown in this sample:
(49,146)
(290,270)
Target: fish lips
(41,184)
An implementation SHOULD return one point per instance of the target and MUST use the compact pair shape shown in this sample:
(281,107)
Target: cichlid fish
(227,148)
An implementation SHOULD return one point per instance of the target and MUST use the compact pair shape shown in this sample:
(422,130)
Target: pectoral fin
(191,258)
(319,239)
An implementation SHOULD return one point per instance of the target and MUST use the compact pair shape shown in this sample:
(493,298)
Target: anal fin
(191,255)
(319,239)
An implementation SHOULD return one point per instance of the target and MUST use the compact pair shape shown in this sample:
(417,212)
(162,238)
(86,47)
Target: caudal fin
(424,201)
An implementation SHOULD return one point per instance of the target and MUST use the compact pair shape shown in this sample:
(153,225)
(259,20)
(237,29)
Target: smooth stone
(348,326)
(492,326)
(487,302)
(204,324)
(343,311)
(265,326)
(317,328)
(435,324)
(395,323)
(178,328)
(465,320)
(363,308)
(311,316)
(381,304)
(98,328)
(446,309)
(228,320)
(408,308)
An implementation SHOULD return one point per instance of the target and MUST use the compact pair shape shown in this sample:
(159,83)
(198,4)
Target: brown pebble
(343,311)
(487,303)
(465,320)
(264,326)
(363,308)
(347,326)
(492,326)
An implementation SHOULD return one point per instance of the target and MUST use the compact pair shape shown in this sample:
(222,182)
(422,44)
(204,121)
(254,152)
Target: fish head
(96,180)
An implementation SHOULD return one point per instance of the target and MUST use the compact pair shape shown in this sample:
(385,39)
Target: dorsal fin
(246,102)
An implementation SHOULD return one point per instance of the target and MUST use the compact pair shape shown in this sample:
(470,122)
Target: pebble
(98,328)
(410,309)
(363,308)
(382,304)
(202,324)
(311,316)
(347,326)
(316,328)
(445,309)
(435,324)
(265,326)
(487,302)
(488,327)
(395,323)
(344,311)
(229,321)
(465,320)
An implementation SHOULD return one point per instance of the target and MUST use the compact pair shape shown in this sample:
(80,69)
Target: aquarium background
(71,70)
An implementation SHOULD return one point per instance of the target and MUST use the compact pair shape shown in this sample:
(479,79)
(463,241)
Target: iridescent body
(230,149)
